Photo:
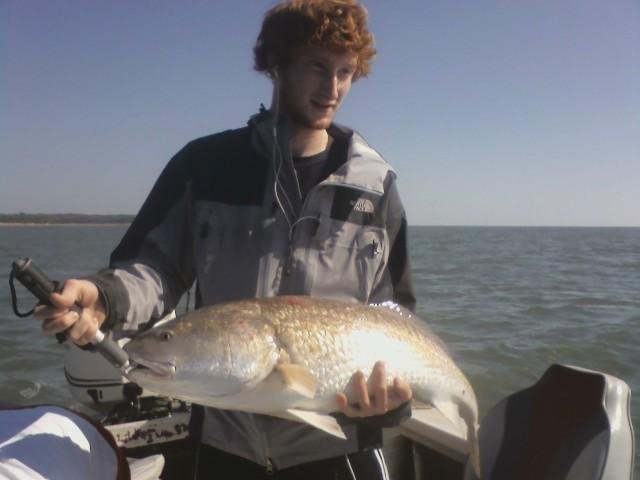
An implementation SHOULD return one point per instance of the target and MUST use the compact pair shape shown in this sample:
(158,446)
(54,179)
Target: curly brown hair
(339,25)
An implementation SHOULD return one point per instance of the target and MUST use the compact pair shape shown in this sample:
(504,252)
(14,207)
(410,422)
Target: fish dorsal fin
(326,423)
(297,379)
(394,307)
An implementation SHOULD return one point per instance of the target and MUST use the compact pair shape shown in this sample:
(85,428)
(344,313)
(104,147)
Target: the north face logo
(363,205)
(357,207)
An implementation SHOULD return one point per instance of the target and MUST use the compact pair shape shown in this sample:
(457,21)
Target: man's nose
(330,86)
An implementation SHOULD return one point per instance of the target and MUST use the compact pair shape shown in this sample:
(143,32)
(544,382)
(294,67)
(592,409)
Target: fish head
(211,352)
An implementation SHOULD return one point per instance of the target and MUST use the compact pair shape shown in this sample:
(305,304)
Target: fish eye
(166,335)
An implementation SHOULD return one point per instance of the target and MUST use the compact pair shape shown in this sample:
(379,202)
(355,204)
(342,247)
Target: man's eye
(344,75)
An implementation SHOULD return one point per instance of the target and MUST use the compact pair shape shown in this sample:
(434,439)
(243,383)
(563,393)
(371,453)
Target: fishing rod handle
(110,350)
(35,280)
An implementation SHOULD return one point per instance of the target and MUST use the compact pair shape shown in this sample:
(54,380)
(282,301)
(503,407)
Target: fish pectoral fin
(326,423)
(297,379)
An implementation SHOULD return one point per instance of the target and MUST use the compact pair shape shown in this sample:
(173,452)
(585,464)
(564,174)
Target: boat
(572,424)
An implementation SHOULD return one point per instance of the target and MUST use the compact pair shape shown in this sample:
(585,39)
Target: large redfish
(290,356)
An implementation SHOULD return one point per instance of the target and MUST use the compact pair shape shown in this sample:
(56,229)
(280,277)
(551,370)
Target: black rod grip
(35,280)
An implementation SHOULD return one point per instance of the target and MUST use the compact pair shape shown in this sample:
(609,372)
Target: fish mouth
(164,370)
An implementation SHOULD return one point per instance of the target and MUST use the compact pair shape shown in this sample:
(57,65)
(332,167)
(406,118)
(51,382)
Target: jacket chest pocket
(349,260)
(228,247)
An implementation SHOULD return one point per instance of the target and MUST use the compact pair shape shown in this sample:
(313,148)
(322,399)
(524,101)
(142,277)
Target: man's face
(314,85)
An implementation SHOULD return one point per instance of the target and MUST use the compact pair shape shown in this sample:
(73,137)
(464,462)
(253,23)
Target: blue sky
(496,112)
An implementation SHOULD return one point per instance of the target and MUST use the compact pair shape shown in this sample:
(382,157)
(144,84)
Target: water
(30,363)
(508,301)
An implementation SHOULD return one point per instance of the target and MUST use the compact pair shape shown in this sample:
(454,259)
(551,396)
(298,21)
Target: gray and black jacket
(217,216)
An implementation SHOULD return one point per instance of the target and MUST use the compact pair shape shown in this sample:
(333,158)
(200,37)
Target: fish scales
(333,340)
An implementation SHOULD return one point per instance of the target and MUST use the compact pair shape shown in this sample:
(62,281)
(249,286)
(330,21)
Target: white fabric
(147,468)
(52,443)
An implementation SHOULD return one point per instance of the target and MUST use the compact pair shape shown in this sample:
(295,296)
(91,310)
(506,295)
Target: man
(291,204)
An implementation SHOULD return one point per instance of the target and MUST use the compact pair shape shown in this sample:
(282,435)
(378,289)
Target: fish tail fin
(465,418)
(474,450)
(451,411)
(470,417)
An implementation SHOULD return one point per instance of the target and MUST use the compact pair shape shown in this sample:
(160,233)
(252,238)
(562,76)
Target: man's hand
(77,308)
(366,397)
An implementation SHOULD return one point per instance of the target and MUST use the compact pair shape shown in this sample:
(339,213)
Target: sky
(492,112)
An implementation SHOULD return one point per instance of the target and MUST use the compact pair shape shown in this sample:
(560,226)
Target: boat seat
(49,442)
(573,424)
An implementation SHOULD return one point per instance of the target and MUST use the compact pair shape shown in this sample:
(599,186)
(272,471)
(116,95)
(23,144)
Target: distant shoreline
(107,220)
(55,219)
(61,224)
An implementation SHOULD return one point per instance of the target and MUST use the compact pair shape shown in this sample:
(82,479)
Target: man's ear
(272,67)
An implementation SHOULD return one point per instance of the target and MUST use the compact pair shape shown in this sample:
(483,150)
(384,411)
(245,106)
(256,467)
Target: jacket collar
(364,167)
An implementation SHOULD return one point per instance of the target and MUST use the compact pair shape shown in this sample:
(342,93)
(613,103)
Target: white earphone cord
(276,154)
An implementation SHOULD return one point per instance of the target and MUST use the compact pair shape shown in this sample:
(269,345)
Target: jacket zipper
(288,264)
(269,468)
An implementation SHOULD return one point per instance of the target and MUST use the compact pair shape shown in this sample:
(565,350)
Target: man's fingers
(77,331)
(50,327)
(365,397)
(377,387)
(81,327)
(345,407)
(361,390)
(350,410)
(87,318)
(84,330)
(75,292)
(76,310)
(45,312)
(355,400)
(60,322)
(399,393)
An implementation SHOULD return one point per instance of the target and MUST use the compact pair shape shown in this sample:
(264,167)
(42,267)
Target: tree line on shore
(62,218)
